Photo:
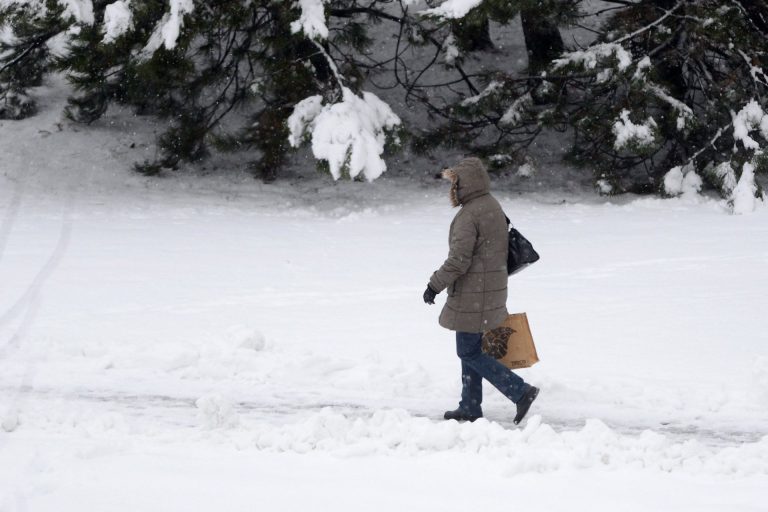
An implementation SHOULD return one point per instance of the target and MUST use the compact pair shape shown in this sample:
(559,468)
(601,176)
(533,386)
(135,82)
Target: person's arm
(461,247)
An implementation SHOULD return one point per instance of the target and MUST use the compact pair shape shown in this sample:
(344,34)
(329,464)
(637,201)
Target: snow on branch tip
(349,135)
(451,9)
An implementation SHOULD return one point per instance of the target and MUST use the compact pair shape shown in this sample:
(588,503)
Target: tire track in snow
(28,305)
(35,288)
(11,213)
(29,300)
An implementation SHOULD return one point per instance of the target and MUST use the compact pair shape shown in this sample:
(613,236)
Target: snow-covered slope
(208,342)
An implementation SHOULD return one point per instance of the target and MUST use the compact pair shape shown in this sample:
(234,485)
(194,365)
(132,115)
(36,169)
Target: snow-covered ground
(212,343)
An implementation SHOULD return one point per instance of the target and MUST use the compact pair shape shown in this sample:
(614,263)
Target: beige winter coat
(475,273)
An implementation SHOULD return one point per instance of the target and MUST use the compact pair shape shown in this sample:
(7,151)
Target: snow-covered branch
(311,20)
(452,9)
(349,135)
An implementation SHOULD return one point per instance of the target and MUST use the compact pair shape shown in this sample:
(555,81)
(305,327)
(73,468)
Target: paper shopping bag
(511,343)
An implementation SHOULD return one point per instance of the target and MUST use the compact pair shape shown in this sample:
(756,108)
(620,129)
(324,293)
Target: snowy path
(182,412)
(217,344)
(162,344)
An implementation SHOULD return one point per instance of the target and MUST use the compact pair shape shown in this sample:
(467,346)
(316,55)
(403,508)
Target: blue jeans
(476,365)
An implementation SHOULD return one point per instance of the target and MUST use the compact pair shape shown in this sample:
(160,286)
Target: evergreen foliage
(681,69)
(25,32)
(668,89)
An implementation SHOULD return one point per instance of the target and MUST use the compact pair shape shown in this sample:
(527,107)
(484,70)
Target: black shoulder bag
(521,252)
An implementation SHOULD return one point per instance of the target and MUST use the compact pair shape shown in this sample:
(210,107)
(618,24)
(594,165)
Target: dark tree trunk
(542,40)
(473,36)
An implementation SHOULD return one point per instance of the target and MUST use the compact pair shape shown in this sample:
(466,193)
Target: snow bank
(350,135)
(760,379)
(536,448)
(10,421)
(246,338)
(216,412)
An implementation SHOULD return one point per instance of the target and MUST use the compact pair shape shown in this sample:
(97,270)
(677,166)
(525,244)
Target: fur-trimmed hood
(469,180)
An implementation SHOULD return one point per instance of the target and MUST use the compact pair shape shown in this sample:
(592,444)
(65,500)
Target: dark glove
(429,295)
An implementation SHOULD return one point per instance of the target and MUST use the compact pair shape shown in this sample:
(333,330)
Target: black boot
(460,415)
(525,403)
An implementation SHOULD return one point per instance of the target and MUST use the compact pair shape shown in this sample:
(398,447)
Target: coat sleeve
(461,248)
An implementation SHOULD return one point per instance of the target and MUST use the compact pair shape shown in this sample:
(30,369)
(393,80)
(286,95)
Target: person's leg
(469,349)
(471,391)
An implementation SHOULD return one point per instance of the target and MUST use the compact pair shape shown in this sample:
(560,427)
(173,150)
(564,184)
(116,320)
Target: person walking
(475,277)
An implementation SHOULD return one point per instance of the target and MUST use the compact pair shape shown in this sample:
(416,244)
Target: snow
(451,49)
(59,44)
(514,114)
(81,10)
(7,37)
(245,337)
(452,9)
(628,132)
(208,342)
(492,88)
(692,183)
(167,31)
(684,113)
(117,20)
(526,170)
(10,421)
(217,412)
(760,379)
(644,65)
(302,117)
(750,118)
(312,19)
(349,135)
(594,55)
(605,187)
(682,180)
(744,200)
(724,171)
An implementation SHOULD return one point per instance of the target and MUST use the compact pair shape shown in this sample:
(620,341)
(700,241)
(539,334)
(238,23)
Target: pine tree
(669,95)
(217,66)
(207,66)
(499,113)
(26,31)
